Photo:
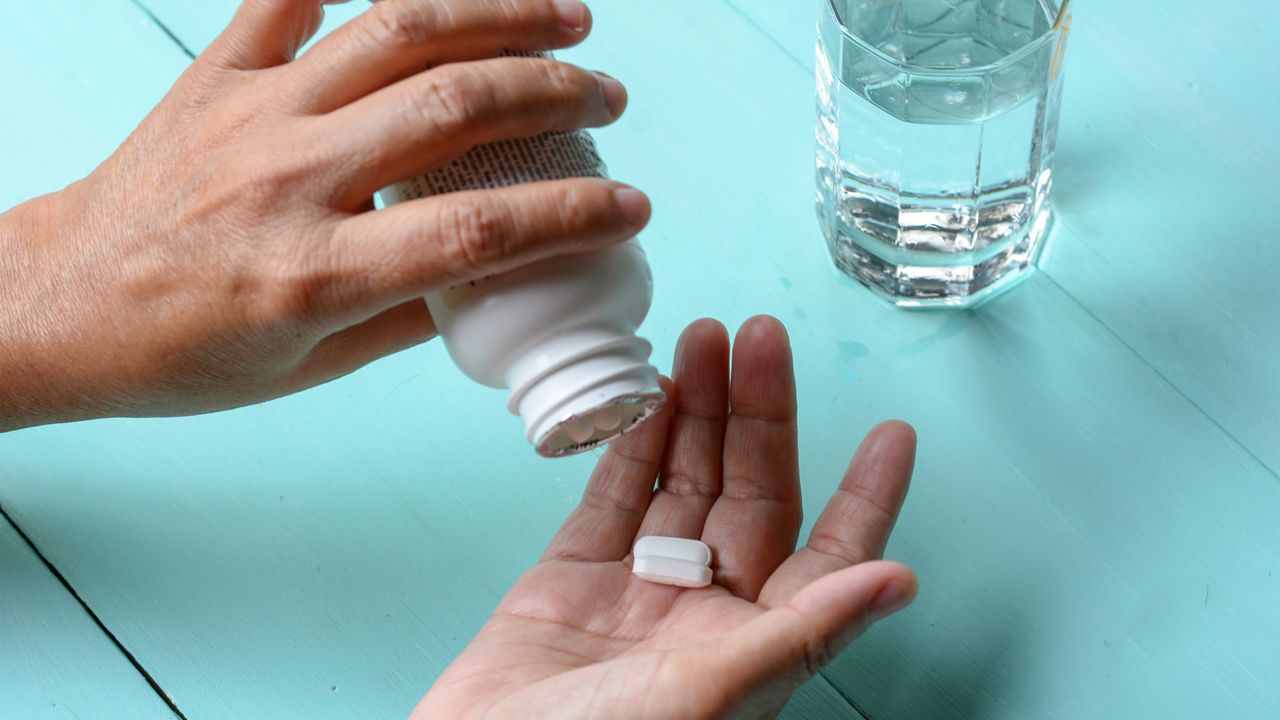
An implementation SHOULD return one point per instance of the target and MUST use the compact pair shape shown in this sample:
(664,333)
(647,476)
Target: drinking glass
(937,121)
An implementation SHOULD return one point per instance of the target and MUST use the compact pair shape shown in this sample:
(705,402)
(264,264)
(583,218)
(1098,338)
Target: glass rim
(1063,22)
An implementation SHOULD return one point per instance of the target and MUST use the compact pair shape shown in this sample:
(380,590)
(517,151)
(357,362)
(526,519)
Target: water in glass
(936,132)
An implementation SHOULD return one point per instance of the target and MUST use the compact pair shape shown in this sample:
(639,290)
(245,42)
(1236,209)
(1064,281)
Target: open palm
(580,636)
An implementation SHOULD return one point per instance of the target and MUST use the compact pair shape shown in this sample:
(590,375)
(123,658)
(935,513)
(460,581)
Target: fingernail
(892,597)
(633,205)
(573,14)
(615,95)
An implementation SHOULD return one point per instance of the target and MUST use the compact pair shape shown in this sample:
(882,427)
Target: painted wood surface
(1091,539)
(55,663)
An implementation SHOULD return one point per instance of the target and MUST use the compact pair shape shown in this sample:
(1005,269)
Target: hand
(227,253)
(579,636)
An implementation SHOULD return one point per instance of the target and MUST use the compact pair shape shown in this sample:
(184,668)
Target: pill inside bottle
(600,425)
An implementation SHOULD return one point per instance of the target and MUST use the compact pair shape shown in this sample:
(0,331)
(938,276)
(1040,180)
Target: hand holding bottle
(227,253)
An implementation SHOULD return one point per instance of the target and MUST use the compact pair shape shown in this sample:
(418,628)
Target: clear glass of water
(936,132)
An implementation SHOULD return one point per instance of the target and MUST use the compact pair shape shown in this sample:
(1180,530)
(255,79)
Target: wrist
(31,392)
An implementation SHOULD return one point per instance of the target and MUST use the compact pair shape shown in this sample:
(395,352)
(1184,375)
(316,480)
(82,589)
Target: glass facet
(937,121)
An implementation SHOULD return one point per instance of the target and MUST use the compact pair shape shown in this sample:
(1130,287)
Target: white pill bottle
(560,334)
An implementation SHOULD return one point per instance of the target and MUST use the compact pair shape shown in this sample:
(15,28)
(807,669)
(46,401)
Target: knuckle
(451,100)
(563,77)
(511,12)
(578,92)
(686,485)
(577,207)
(473,235)
(828,543)
(402,24)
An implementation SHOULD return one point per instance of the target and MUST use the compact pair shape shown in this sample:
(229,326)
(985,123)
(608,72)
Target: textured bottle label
(511,162)
(552,156)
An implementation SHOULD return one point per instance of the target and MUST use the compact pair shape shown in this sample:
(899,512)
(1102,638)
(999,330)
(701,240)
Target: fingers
(856,523)
(768,658)
(347,350)
(603,527)
(753,525)
(432,118)
(397,38)
(266,33)
(390,256)
(689,482)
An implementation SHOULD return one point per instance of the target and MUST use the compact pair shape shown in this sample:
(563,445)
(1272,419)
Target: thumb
(762,662)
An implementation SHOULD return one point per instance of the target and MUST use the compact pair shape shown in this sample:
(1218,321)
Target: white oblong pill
(672,561)
(608,419)
(669,571)
(694,551)
(580,429)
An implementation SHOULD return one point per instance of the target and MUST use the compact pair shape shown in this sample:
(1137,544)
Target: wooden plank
(55,663)
(1168,178)
(196,24)
(325,555)
(79,77)
(1166,166)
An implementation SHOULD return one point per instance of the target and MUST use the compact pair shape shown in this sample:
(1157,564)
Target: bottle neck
(575,400)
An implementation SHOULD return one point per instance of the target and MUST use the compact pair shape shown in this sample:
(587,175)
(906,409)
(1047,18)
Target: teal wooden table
(1096,514)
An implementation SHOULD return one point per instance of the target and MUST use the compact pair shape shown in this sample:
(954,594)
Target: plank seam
(155,686)
(858,712)
(769,36)
(164,28)
(1160,374)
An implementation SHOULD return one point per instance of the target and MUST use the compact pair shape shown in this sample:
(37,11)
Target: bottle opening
(590,429)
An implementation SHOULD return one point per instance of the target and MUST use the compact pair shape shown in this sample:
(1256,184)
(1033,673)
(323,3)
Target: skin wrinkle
(833,547)
(407,25)
(566,625)
(598,499)
(866,499)
(685,485)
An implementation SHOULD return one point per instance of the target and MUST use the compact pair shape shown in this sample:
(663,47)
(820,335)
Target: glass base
(911,279)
